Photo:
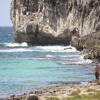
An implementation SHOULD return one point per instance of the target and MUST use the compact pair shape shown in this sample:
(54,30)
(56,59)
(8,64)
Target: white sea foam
(16,50)
(43,48)
(39,48)
(78,60)
(84,83)
(74,63)
(24,44)
(85,60)
(75,58)
(57,48)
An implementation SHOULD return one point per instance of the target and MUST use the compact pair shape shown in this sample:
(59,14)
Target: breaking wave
(57,48)
(16,50)
(24,44)
(16,47)
(78,60)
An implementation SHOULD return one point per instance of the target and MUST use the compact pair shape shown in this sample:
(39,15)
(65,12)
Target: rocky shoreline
(59,91)
(89,45)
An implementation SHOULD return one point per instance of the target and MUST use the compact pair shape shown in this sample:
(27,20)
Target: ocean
(24,68)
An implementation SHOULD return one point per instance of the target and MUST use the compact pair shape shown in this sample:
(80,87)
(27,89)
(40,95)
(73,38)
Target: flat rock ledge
(60,91)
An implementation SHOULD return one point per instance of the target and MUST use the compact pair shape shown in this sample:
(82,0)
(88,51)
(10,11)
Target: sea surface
(24,68)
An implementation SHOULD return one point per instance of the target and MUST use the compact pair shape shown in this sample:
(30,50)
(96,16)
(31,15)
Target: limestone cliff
(54,21)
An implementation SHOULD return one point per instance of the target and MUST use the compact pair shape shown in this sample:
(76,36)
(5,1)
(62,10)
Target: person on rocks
(97,73)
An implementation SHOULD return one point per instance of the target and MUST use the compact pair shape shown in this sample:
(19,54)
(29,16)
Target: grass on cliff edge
(78,97)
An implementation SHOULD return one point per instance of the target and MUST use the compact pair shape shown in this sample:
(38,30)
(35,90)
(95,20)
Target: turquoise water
(23,69)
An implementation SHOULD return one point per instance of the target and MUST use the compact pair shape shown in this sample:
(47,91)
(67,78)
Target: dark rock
(31,92)
(24,94)
(32,97)
(37,92)
(90,44)
(16,98)
(12,96)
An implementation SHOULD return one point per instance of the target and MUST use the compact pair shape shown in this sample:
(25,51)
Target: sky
(5,13)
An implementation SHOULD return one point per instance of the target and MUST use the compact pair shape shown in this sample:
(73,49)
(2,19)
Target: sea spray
(24,44)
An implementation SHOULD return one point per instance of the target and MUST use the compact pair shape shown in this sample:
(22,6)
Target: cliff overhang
(44,22)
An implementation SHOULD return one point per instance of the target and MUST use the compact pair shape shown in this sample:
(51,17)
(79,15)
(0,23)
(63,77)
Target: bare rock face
(46,22)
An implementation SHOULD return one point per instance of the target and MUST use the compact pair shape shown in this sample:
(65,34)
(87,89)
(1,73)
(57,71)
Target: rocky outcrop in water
(46,22)
(90,44)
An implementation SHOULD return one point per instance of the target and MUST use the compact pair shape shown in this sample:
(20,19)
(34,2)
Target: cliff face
(54,21)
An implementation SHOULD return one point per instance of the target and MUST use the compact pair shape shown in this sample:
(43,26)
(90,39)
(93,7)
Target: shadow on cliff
(41,38)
